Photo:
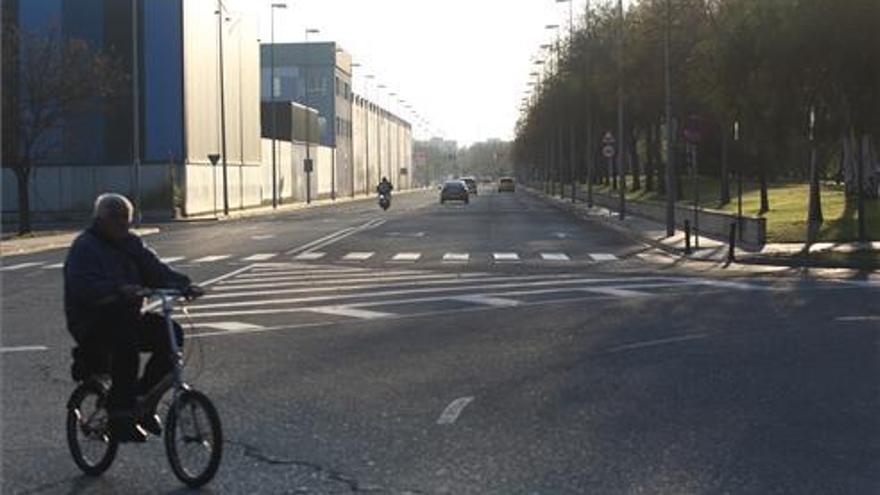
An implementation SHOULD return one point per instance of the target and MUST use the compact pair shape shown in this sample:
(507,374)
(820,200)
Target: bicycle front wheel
(193,438)
(88,429)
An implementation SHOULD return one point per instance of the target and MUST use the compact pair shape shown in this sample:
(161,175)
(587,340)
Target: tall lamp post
(220,20)
(671,192)
(368,108)
(557,153)
(308,165)
(622,146)
(136,108)
(274,90)
(571,130)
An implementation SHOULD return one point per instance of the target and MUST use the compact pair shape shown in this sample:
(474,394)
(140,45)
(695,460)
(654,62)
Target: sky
(462,64)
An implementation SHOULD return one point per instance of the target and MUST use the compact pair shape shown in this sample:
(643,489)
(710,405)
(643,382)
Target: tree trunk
(649,159)
(724,194)
(635,164)
(765,199)
(22,176)
(814,213)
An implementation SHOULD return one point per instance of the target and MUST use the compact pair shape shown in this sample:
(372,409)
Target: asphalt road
(502,347)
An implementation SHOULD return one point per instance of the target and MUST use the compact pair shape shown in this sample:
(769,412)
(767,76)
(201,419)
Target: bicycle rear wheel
(193,438)
(88,429)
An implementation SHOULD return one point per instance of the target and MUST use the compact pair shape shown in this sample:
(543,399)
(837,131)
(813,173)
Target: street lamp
(272,88)
(220,20)
(307,165)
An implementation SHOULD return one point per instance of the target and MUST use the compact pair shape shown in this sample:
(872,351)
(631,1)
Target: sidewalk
(709,249)
(56,239)
(59,238)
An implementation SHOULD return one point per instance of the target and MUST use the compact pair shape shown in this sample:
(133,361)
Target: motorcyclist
(385,187)
(106,268)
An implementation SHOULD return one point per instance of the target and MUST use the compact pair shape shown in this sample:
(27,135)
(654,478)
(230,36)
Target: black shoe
(151,423)
(125,430)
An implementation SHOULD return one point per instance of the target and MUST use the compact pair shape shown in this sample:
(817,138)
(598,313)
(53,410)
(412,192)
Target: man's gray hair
(111,204)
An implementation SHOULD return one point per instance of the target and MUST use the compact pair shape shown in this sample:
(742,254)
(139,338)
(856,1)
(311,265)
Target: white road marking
(406,257)
(505,257)
(358,256)
(497,302)
(24,348)
(362,314)
(857,318)
(656,343)
(211,259)
(54,266)
(263,237)
(336,237)
(232,326)
(481,287)
(612,291)
(20,266)
(456,257)
(309,256)
(561,235)
(307,284)
(555,257)
(260,257)
(603,257)
(453,410)
(172,259)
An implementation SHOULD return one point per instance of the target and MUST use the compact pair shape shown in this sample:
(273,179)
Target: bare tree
(47,78)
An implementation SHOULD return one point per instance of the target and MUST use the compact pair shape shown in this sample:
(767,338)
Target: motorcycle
(384,202)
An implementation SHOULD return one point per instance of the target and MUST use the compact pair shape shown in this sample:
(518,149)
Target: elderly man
(106,268)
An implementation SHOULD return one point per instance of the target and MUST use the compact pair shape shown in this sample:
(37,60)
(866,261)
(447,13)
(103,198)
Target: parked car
(506,184)
(454,190)
(471,184)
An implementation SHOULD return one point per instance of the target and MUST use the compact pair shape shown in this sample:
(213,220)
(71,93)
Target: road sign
(308,165)
(608,138)
(214,157)
(608,151)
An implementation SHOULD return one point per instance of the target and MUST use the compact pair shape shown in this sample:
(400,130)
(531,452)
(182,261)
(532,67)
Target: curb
(782,261)
(286,208)
(55,241)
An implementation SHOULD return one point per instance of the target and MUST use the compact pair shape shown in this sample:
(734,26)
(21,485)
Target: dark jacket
(94,270)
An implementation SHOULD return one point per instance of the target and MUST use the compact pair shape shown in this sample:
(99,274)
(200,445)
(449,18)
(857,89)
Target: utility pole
(671,193)
(136,110)
(222,109)
(620,137)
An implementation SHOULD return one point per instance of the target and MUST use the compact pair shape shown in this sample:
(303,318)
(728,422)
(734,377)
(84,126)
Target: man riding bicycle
(106,268)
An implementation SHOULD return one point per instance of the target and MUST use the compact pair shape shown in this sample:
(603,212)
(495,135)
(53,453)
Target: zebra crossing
(359,257)
(290,294)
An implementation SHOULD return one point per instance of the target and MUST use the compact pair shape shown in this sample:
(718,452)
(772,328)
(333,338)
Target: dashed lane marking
(172,259)
(20,266)
(232,326)
(363,314)
(24,348)
(54,266)
(406,257)
(498,302)
(656,343)
(505,257)
(211,259)
(260,257)
(603,257)
(453,410)
(555,257)
(456,257)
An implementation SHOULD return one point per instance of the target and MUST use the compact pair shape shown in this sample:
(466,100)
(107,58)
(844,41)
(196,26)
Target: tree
(52,78)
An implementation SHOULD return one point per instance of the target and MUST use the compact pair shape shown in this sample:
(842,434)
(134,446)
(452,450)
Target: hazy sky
(462,64)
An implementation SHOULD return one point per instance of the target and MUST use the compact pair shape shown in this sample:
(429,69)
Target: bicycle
(192,424)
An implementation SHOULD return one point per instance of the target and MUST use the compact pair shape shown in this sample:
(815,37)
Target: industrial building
(154,140)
